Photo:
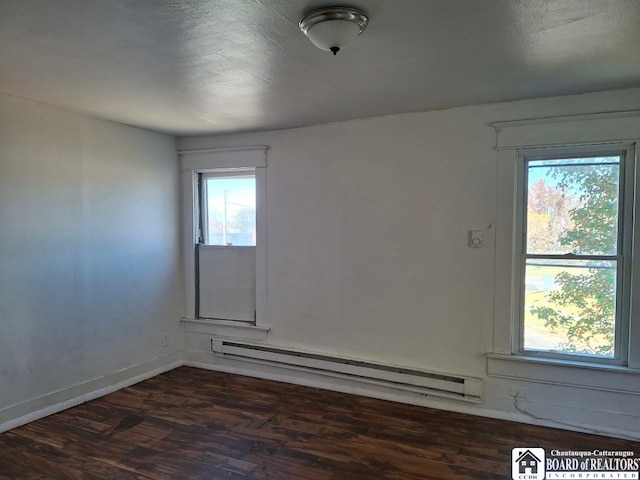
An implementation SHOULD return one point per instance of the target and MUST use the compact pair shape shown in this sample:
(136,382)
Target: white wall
(367,255)
(89,255)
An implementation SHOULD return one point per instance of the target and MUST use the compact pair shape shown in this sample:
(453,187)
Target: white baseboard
(54,402)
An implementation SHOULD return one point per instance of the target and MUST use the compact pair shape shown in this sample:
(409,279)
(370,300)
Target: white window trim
(193,162)
(511,138)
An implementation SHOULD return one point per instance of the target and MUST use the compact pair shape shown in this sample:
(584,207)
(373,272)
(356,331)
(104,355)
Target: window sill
(610,378)
(226,329)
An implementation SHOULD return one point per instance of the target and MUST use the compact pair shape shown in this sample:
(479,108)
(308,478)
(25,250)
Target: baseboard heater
(421,382)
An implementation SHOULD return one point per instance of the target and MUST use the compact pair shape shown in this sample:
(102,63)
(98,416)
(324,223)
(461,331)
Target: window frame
(623,256)
(193,162)
(603,128)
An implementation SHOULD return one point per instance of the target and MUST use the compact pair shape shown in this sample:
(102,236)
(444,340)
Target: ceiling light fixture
(332,28)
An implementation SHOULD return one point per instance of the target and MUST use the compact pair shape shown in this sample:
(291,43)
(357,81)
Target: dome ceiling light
(332,28)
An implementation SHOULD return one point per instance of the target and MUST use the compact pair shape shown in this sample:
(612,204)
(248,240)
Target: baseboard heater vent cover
(422,382)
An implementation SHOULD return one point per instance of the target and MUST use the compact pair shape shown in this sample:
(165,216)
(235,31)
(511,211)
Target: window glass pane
(231,211)
(569,306)
(572,206)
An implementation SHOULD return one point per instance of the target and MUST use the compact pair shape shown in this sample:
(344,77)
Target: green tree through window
(571,258)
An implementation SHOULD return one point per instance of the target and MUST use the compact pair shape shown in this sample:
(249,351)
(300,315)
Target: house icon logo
(527,463)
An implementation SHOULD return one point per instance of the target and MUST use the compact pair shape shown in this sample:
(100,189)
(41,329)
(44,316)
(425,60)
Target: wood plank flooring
(197,424)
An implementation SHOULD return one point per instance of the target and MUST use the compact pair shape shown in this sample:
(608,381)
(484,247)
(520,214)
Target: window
(224,236)
(584,235)
(228,208)
(226,273)
(574,249)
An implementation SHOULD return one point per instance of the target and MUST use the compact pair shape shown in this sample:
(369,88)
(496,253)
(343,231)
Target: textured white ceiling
(214,66)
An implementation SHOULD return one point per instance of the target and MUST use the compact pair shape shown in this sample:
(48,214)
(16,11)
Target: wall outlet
(165,339)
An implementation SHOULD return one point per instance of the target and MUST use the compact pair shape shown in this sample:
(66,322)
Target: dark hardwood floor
(197,424)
